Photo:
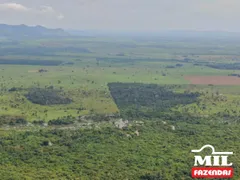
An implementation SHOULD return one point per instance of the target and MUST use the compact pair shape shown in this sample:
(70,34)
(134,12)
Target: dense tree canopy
(47,96)
(139,100)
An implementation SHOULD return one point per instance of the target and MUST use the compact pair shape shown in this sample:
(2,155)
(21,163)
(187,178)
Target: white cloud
(60,16)
(13,6)
(41,10)
(47,9)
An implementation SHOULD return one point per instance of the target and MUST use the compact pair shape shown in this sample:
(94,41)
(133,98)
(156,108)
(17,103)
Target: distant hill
(176,34)
(23,31)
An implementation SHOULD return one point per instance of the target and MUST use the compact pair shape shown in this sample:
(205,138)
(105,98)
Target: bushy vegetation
(233,66)
(133,60)
(174,66)
(12,120)
(31,62)
(13,89)
(108,153)
(47,96)
(38,122)
(41,51)
(236,75)
(62,121)
(147,100)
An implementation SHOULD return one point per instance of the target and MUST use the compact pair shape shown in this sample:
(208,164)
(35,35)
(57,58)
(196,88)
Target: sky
(127,15)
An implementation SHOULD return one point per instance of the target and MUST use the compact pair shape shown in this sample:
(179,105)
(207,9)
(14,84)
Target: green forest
(158,152)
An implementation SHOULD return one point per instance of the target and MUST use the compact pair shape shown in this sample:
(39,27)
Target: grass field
(120,61)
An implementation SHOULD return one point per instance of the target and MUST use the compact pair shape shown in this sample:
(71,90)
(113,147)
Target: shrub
(66,120)
(12,120)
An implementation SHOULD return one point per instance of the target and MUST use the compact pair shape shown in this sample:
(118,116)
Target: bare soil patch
(214,80)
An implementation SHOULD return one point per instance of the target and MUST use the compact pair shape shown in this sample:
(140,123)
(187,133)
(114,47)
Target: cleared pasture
(213,80)
(97,61)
